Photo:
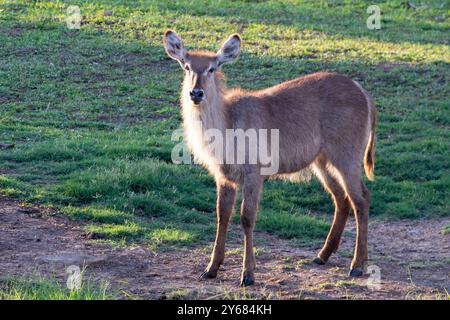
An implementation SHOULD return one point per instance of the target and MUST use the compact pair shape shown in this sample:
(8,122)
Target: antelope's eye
(186,67)
(211,70)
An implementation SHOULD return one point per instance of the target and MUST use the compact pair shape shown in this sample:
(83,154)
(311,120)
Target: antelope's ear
(230,50)
(174,46)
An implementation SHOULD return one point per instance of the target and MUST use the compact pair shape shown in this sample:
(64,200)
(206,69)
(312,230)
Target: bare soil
(413,258)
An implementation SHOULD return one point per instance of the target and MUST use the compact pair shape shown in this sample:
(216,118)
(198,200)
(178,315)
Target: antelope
(325,122)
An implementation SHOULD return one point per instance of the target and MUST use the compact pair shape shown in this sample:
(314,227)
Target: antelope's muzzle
(197,95)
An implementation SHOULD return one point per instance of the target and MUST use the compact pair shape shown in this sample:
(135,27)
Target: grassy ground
(44,289)
(91,111)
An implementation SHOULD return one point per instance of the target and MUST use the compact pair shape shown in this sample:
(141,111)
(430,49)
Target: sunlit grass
(45,289)
(446,230)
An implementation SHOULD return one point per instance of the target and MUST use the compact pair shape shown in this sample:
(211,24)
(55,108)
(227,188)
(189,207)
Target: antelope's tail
(369,155)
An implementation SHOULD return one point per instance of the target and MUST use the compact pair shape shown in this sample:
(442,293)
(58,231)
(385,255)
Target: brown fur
(326,123)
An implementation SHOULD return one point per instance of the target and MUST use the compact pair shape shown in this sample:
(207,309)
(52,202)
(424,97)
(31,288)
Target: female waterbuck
(325,122)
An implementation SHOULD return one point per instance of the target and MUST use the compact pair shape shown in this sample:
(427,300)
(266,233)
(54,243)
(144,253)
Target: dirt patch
(9,98)
(4,146)
(412,257)
(15,32)
(386,66)
(22,52)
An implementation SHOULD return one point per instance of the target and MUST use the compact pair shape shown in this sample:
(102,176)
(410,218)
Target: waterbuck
(325,122)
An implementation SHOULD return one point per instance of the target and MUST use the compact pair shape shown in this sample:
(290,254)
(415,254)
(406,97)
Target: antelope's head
(200,67)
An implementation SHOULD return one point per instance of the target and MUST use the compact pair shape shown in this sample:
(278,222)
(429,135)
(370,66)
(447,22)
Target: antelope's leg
(341,213)
(360,201)
(331,244)
(249,208)
(361,207)
(226,195)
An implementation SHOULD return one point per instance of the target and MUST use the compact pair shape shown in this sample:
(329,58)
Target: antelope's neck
(200,122)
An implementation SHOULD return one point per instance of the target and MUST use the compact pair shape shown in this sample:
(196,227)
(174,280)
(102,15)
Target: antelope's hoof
(208,275)
(356,272)
(318,261)
(247,280)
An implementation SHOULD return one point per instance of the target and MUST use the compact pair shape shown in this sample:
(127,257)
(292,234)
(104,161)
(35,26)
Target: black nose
(197,95)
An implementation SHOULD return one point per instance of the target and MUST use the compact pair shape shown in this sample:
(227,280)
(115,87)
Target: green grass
(45,289)
(446,230)
(91,111)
